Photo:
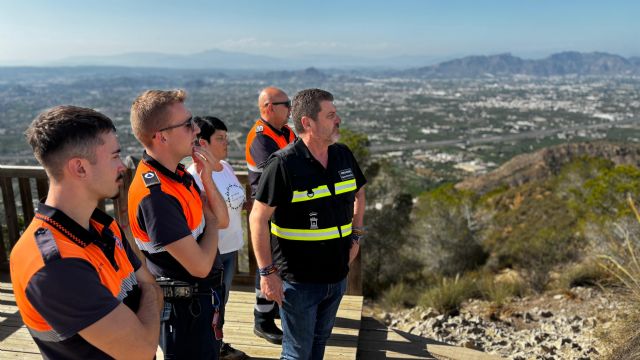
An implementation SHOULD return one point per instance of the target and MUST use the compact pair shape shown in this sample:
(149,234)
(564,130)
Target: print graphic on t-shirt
(234,196)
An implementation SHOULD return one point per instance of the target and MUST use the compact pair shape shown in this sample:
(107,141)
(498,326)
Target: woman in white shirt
(213,136)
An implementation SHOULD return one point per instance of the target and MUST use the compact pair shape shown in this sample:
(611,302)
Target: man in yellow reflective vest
(312,191)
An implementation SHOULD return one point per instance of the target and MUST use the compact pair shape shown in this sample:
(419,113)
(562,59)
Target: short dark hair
(208,126)
(64,132)
(307,103)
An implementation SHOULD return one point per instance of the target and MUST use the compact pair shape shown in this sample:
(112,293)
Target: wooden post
(354,279)
(11,217)
(42,185)
(121,204)
(26,199)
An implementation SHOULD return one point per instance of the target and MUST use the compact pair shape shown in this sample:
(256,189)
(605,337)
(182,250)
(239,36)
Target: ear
(306,122)
(202,142)
(77,167)
(158,138)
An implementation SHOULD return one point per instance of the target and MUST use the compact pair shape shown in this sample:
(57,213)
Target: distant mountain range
(219,59)
(560,64)
(210,59)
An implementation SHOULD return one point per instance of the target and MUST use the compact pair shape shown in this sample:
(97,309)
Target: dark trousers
(185,329)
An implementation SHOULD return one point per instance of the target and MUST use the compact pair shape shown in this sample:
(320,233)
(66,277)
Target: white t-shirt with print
(230,239)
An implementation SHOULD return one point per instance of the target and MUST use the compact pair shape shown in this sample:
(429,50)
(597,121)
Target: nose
(196,128)
(121,166)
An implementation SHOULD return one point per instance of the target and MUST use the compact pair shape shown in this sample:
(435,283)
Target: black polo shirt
(162,217)
(309,199)
(68,293)
(261,149)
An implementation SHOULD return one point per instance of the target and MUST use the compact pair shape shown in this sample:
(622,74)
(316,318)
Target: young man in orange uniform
(176,230)
(81,290)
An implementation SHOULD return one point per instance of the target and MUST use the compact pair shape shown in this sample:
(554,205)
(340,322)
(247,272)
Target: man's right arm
(124,334)
(198,257)
(165,223)
(100,318)
(271,285)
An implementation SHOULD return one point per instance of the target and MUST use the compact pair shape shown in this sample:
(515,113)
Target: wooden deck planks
(16,343)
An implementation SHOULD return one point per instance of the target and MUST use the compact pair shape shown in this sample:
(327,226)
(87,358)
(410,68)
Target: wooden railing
(30,180)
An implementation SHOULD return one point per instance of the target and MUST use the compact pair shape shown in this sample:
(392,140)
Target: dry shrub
(447,296)
(500,288)
(587,273)
(622,263)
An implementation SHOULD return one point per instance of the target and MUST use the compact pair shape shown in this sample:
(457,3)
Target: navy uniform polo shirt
(311,225)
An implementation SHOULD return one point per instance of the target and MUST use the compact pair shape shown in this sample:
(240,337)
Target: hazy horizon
(39,32)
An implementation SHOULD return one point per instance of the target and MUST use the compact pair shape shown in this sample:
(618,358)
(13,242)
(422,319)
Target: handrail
(30,180)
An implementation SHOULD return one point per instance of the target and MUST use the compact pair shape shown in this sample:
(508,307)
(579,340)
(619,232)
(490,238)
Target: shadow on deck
(16,343)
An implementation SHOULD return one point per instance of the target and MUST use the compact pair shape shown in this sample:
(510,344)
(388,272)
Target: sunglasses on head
(188,123)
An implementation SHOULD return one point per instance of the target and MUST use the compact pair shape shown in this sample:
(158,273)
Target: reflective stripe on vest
(47,335)
(254,168)
(323,191)
(316,193)
(151,249)
(310,234)
(345,186)
(148,246)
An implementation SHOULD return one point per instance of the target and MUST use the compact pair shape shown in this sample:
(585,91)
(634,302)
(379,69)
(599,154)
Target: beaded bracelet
(268,270)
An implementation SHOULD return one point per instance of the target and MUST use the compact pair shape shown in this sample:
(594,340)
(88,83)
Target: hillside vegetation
(450,243)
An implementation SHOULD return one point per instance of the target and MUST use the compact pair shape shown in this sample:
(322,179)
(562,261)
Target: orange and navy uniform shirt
(262,141)
(165,206)
(65,278)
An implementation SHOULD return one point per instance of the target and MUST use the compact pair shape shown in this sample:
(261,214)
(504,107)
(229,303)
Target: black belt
(176,289)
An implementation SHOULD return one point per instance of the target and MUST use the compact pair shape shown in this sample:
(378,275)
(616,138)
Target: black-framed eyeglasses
(285,103)
(188,123)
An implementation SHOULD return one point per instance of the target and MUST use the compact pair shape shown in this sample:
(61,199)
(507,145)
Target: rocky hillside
(543,163)
(550,326)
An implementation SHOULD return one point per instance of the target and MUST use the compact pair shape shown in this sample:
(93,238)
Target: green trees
(387,256)
(444,226)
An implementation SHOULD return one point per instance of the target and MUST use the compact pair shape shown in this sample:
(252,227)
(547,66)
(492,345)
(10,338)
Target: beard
(335,137)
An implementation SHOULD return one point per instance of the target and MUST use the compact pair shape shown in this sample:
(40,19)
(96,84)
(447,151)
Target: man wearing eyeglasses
(175,228)
(269,134)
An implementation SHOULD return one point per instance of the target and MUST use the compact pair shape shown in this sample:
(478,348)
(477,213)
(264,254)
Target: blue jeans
(308,313)
(229,264)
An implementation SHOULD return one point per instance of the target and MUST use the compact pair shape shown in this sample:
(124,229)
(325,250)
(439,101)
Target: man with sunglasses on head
(176,227)
(269,134)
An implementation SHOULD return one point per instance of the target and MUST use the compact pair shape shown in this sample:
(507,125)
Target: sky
(37,31)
